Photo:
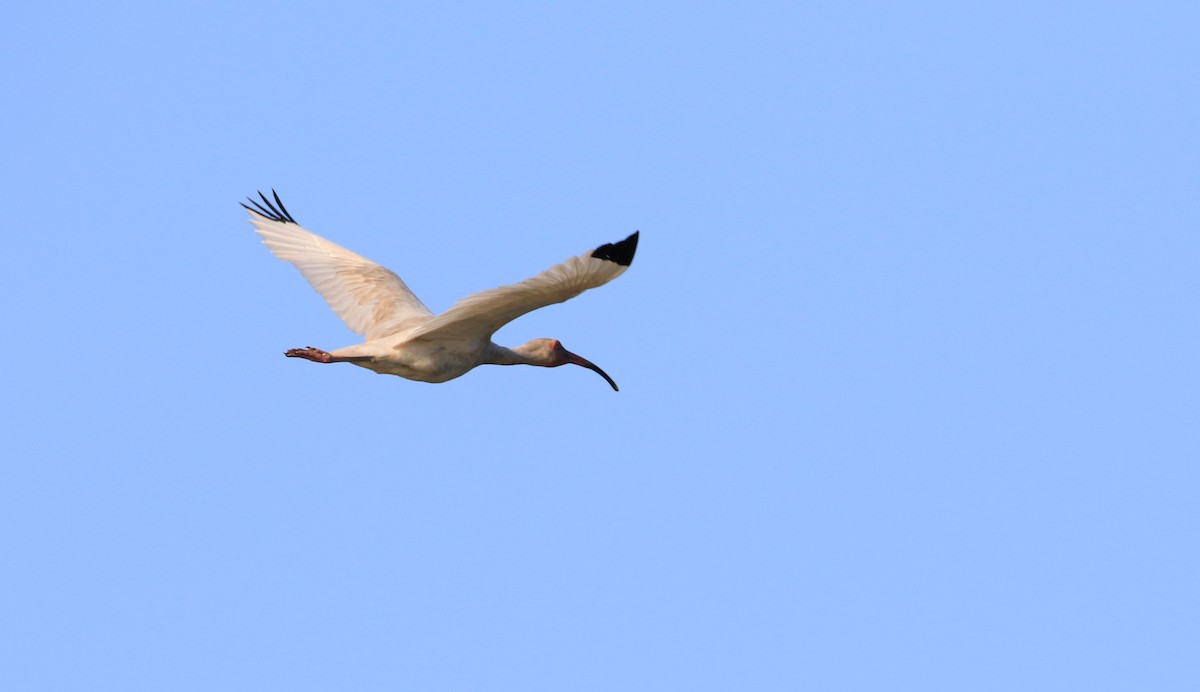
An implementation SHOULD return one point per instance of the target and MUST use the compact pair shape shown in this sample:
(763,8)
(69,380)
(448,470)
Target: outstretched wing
(369,298)
(481,314)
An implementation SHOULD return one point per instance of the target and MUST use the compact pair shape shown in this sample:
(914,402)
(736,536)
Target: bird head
(549,353)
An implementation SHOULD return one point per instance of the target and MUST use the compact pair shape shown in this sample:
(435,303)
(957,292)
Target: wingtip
(620,252)
(268,209)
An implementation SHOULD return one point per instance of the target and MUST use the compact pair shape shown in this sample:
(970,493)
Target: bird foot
(316,355)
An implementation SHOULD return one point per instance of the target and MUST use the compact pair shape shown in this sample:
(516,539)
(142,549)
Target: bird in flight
(402,337)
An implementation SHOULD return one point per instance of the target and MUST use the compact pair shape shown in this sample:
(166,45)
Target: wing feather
(479,315)
(372,300)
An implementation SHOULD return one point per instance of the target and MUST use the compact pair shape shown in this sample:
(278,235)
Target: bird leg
(316,355)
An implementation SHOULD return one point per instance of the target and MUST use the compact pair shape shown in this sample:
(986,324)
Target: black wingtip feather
(621,253)
(270,211)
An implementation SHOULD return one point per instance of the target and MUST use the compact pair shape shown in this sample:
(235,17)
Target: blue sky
(907,357)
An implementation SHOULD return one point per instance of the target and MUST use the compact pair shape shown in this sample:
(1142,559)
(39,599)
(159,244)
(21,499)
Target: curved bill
(572,358)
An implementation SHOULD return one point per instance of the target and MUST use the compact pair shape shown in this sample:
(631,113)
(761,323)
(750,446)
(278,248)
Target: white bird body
(403,337)
(422,361)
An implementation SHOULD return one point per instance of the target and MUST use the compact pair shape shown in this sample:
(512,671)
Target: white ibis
(402,336)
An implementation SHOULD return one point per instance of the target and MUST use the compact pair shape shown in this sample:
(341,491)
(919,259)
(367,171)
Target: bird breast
(425,362)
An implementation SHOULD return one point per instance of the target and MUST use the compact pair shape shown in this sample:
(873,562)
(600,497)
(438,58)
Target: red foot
(316,355)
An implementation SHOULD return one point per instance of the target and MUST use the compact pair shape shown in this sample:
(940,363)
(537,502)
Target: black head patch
(621,253)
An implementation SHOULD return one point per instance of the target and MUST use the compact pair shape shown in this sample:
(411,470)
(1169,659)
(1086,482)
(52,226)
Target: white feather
(369,298)
(479,315)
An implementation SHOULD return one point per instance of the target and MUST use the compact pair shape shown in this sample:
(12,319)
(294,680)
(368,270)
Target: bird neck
(499,355)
